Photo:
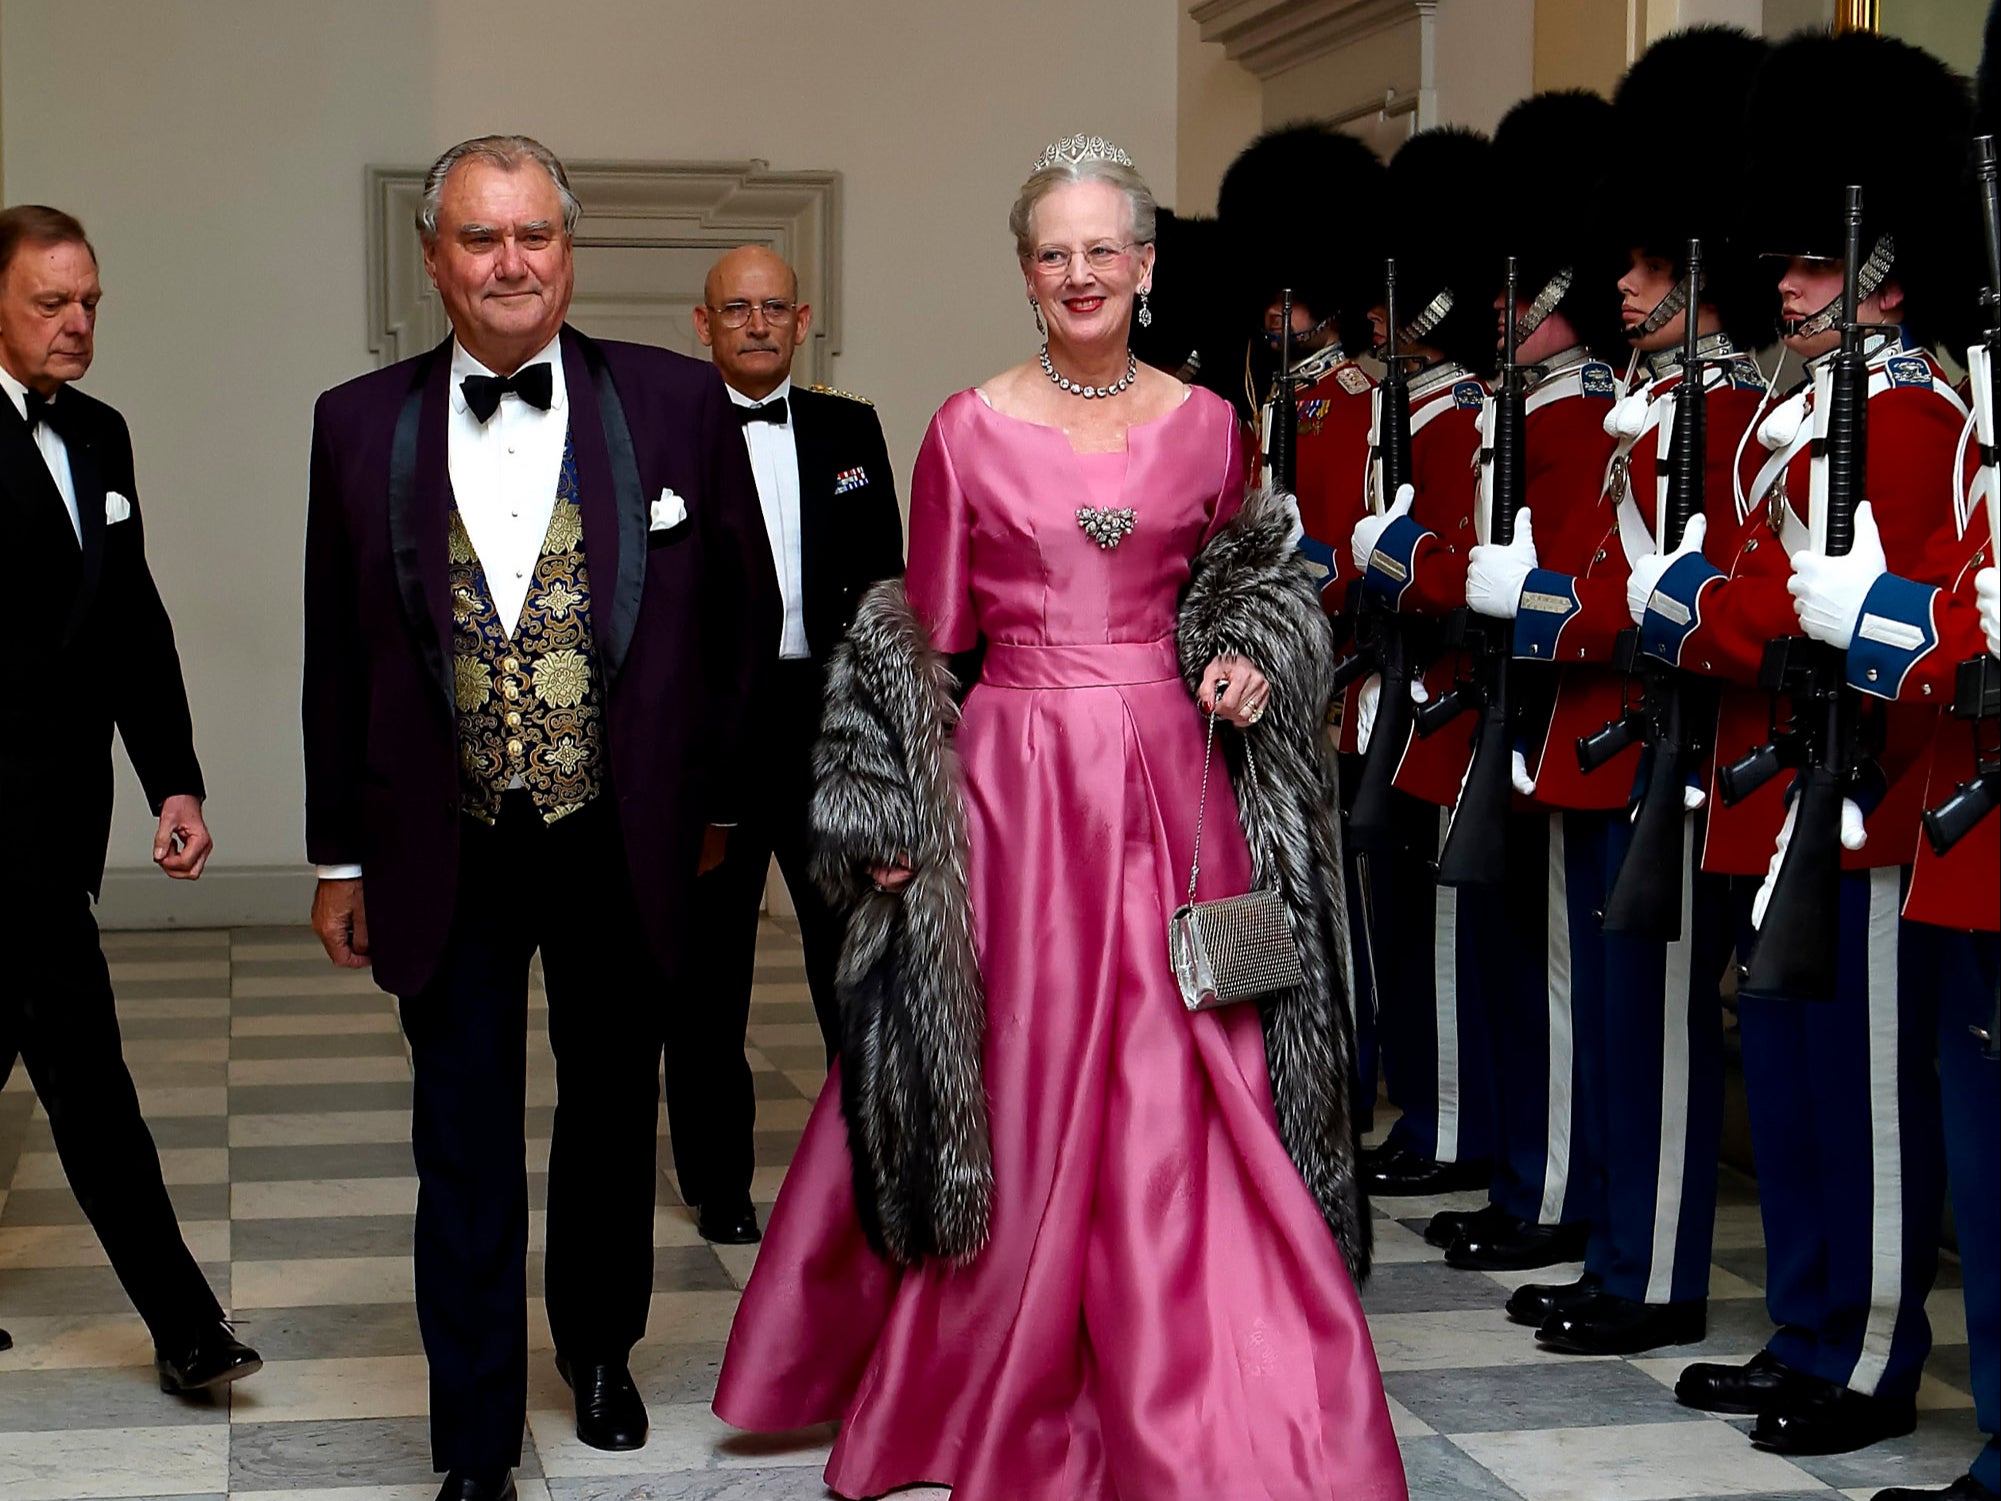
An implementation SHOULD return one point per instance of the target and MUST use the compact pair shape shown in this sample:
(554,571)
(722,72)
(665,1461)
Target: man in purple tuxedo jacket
(539,604)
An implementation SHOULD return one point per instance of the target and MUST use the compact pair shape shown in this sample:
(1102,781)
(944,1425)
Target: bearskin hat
(1552,156)
(1301,207)
(1187,318)
(1679,118)
(1828,111)
(1987,89)
(1441,228)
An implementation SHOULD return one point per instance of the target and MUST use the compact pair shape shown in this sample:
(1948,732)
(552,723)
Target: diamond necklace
(1063,382)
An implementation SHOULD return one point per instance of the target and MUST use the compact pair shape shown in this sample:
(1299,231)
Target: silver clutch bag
(1239,947)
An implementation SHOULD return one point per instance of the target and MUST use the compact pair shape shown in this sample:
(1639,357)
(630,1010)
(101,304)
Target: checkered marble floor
(279,1094)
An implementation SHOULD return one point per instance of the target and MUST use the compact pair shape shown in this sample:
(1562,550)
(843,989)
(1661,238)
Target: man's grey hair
(505,152)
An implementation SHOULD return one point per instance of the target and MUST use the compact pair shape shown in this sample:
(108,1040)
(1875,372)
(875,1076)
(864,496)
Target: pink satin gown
(1161,1313)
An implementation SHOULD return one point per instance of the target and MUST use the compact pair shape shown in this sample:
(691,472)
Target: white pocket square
(116,507)
(668,511)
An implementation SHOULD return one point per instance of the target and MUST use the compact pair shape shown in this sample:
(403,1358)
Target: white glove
(1828,592)
(1518,769)
(1646,574)
(1692,797)
(1495,575)
(1365,709)
(1370,528)
(1985,592)
(1853,837)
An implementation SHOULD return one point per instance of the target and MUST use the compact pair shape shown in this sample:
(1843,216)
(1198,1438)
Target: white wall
(215,150)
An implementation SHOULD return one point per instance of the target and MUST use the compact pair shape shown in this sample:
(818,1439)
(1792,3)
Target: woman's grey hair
(506,152)
(1139,197)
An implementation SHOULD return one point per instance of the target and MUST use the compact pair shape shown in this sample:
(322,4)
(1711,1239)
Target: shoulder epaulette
(846,395)
(1469,393)
(1595,378)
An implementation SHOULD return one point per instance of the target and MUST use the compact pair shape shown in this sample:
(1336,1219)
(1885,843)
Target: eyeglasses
(737,314)
(1054,260)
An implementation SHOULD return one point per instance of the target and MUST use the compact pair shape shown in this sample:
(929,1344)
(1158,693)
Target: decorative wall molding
(1269,37)
(679,215)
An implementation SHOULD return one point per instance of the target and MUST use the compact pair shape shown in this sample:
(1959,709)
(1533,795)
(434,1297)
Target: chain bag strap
(1238,948)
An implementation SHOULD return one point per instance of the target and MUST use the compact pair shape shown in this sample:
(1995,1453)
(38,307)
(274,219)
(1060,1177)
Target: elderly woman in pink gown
(1050,1236)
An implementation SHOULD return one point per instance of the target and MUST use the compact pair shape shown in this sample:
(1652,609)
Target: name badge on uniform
(850,479)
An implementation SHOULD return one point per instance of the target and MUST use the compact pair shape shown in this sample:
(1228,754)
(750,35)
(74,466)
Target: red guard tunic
(1419,563)
(1716,622)
(1331,465)
(1574,608)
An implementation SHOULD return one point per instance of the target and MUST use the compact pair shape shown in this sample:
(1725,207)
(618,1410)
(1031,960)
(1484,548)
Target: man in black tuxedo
(538,609)
(103,657)
(831,517)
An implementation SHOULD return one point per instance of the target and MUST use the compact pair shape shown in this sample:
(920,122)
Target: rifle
(1474,852)
(1382,644)
(1676,708)
(1795,953)
(1283,443)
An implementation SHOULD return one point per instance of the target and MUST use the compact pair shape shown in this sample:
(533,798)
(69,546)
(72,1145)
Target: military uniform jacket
(1574,606)
(102,645)
(1419,563)
(1331,467)
(1716,620)
(1908,645)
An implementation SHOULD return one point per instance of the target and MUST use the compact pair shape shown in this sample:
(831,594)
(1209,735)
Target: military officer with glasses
(830,513)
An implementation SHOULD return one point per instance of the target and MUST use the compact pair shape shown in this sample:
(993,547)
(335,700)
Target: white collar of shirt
(55,453)
(783,388)
(551,354)
(16,392)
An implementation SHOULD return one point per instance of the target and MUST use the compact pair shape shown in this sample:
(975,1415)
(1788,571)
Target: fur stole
(912,1006)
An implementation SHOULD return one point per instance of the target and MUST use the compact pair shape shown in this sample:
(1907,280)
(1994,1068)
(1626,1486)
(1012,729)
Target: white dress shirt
(55,453)
(774,459)
(504,473)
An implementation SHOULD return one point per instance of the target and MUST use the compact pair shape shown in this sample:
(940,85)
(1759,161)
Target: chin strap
(1545,303)
(1415,331)
(1665,309)
(1867,280)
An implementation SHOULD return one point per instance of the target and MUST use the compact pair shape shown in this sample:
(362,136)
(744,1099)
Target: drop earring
(1145,311)
(1040,327)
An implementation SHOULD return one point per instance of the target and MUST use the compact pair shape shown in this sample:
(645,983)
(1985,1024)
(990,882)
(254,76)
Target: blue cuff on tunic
(1320,555)
(1390,565)
(1893,635)
(1549,599)
(1675,609)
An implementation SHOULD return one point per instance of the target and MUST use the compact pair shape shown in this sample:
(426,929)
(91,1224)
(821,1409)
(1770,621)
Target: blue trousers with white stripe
(1432,1028)
(1366,885)
(1654,1089)
(1549,1015)
(1967,968)
(1844,1107)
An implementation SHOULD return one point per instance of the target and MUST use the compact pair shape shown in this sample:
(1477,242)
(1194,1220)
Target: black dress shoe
(729,1223)
(1608,1325)
(1399,1173)
(1534,1303)
(1966,1488)
(1762,1384)
(1515,1245)
(1833,1420)
(478,1485)
(1448,1225)
(609,1412)
(212,1358)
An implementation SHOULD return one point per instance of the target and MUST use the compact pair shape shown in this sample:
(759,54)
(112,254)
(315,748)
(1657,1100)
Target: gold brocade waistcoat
(528,706)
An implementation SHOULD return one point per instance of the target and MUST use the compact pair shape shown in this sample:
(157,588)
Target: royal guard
(1552,154)
(1411,550)
(1842,1091)
(1647,1010)
(1299,209)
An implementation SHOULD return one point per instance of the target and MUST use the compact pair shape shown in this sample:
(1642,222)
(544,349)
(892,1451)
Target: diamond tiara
(1081,148)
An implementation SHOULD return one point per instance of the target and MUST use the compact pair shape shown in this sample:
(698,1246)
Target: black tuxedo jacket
(97,650)
(686,621)
(850,530)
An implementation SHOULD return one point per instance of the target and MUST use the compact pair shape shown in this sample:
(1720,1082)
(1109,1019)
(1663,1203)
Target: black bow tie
(43,409)
(534,384)
(771,411)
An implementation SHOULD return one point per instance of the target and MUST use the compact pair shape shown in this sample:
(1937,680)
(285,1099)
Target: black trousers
(563,889)
(711,1104)
(58,1015)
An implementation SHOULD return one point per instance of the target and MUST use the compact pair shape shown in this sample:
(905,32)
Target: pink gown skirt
(1161,1313)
